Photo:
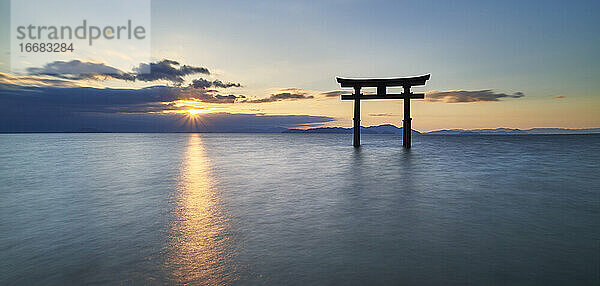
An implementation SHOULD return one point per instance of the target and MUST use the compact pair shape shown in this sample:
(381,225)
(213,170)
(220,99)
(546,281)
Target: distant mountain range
(511,131)
(380,129)
(391,129)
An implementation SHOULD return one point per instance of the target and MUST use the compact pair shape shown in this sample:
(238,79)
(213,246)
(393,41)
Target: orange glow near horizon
(427,116)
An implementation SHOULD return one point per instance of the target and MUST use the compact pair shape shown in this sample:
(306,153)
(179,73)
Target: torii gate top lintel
(375,82)
(381,84)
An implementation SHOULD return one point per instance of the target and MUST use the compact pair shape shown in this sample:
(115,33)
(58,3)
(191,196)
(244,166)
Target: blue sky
(464,44)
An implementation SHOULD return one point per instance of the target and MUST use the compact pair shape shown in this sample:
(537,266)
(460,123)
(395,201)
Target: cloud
(335,93)
(218,83)
(209,96)
(558,97)
(462,96)
(76,69)
(167,70)
(381,114)
(15,80)
(288,94)
(203,84)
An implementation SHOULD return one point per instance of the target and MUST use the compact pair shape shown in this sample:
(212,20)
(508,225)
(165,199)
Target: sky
(268,65)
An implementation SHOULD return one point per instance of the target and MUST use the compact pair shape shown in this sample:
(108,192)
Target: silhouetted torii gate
(381,84)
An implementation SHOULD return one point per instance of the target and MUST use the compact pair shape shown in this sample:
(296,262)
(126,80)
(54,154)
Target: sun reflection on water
(198,243)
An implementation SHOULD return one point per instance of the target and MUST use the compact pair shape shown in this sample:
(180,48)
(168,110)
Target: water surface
(298,209)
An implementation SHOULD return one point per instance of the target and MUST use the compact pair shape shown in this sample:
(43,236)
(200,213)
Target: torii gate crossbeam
(381,84)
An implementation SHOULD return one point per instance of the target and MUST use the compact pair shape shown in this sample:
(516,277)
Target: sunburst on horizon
(195,111)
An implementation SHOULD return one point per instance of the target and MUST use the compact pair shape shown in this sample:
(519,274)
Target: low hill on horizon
(392,129)
(379,129)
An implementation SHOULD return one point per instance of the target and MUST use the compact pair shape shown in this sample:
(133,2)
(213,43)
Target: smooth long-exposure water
(299,209)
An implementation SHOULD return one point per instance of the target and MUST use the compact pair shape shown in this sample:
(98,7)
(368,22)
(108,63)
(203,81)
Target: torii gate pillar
(356,118)
(381,84)
(406,126)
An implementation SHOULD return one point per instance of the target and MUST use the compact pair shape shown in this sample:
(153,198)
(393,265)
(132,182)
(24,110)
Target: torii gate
(381,84)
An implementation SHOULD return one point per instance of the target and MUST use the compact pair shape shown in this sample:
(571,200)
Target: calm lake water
(299,209)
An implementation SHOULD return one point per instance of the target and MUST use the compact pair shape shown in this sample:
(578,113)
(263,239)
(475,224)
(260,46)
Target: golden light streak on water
(198,252)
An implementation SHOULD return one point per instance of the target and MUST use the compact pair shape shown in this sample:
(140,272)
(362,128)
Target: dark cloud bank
(102,122)
(52,109)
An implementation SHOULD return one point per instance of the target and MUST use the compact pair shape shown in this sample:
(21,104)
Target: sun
(192,118)
(193,112)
